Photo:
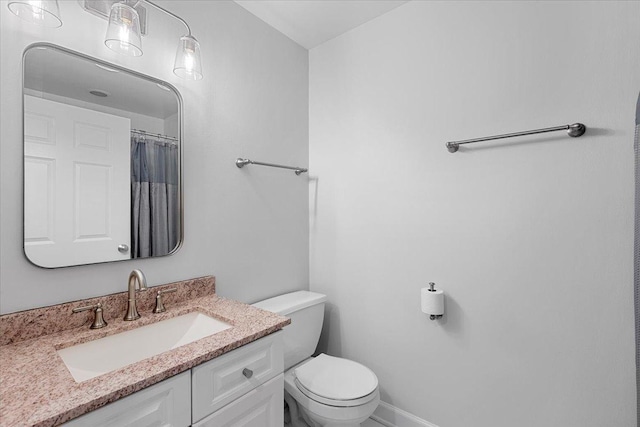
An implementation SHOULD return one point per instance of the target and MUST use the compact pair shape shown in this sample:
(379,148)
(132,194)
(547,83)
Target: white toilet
(324,390)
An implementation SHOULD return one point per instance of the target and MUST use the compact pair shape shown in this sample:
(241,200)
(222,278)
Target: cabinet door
(166,404)
(261,407)
(220,381)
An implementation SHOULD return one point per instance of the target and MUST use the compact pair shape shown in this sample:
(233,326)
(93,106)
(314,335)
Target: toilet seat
(336,382)
(337,403)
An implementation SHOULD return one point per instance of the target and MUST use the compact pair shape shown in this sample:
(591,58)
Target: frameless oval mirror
(102,161)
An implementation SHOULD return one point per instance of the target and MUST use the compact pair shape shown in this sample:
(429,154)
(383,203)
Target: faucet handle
(98,320)
(159,308)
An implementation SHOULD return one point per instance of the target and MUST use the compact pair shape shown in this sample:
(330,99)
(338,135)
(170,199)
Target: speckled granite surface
(36,389)
(24,325)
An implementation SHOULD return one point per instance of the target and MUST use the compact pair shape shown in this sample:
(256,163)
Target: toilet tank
(306,310)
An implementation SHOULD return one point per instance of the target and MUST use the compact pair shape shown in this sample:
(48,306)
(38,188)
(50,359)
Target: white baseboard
(390,416)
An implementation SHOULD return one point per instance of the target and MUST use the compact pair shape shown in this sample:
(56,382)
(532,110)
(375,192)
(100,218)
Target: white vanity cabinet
(166,404)
(244,387)
(221,381)
(261,407)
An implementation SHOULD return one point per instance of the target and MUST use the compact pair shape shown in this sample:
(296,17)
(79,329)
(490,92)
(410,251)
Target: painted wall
(247,227)
(531,239)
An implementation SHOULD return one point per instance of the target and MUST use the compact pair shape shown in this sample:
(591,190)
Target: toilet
(321,391)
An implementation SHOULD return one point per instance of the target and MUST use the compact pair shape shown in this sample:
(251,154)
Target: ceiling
(58,72)
(312,22)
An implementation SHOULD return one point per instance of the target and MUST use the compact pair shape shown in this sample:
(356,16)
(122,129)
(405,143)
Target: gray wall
(247,227)
(531,239)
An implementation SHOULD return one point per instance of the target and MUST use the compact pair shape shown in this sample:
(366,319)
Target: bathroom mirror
(102,161)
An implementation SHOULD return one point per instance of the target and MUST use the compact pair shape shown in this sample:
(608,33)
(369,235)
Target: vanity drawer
(225,378)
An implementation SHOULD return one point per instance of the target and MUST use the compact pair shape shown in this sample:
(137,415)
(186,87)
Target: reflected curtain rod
(158,135)
(240,163)
(575,130)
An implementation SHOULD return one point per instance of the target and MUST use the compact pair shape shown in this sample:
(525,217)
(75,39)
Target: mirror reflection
(102,165)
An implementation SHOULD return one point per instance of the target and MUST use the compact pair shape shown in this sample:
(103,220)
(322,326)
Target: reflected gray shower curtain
(154,197)
(636,257)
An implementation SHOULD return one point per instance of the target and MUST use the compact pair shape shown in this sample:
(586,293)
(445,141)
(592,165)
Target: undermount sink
(91,359)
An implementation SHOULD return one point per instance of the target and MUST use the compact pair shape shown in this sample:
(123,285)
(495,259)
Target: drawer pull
(247,372)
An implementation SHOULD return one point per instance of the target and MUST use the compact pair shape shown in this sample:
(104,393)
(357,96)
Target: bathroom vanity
(233,376)
(215,393)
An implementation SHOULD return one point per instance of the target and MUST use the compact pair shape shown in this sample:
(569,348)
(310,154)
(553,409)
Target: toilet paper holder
(432,288)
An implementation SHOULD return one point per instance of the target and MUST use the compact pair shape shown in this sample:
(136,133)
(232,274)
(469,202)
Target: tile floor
(367,423)
(371,423)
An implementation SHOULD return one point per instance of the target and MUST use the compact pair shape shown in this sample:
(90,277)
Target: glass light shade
(123,34)
(43,12)
(188,64)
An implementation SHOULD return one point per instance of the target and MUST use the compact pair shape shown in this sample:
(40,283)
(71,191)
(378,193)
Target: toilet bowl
(330,392)
(321,391)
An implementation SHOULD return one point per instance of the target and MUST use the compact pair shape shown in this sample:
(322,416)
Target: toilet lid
(336,378)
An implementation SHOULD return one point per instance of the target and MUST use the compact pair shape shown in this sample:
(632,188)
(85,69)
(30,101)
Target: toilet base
(299,417)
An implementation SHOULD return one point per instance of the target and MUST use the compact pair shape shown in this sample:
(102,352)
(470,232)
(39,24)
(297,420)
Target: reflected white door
(77,184)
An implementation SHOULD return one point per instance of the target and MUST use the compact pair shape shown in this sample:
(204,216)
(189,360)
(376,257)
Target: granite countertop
(36,388)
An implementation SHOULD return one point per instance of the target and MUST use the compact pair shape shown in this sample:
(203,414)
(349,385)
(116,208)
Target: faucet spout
(135,278)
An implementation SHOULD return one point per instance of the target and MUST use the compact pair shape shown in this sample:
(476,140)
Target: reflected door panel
(77,184)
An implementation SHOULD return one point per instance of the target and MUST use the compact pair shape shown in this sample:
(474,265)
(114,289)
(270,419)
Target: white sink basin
(94,358)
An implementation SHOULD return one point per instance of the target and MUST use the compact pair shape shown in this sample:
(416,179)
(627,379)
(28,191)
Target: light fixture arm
(168,13)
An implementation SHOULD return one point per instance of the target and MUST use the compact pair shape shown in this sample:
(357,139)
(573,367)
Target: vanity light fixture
(123,36)
(187,64)
(124,33)
(43,12)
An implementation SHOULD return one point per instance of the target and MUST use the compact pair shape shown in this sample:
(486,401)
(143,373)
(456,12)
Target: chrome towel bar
(575,130)
(242,162)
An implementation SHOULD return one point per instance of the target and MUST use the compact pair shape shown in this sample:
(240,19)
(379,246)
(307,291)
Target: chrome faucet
(136,276)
